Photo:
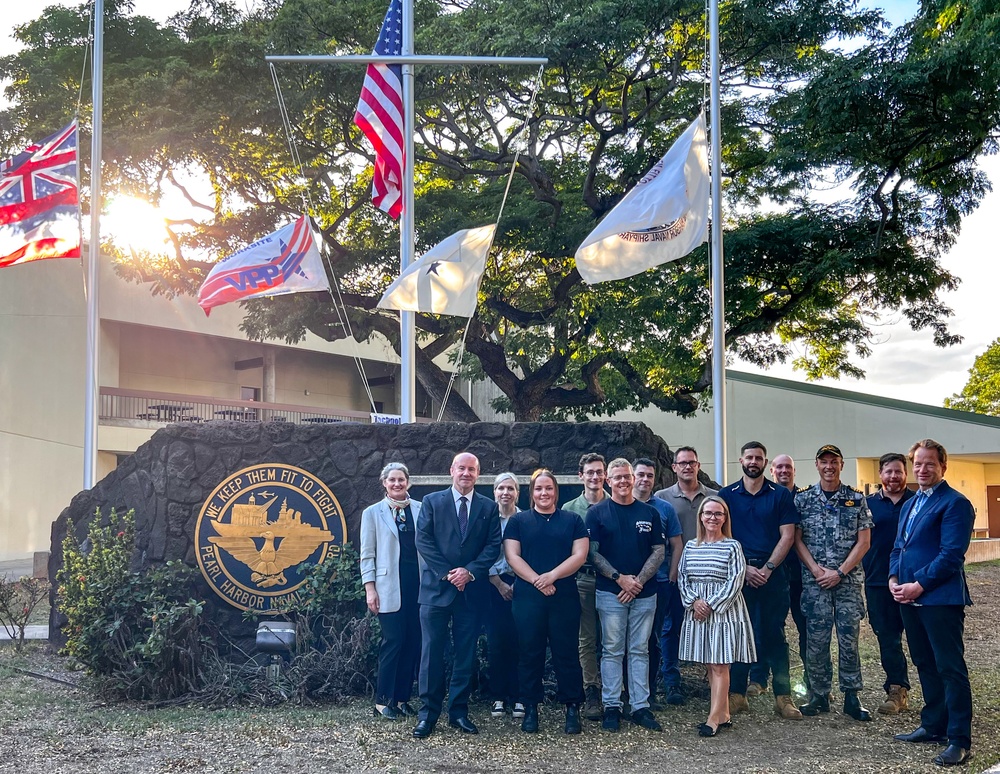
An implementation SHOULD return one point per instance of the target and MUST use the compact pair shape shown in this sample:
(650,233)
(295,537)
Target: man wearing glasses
(833,535)
(626,548)
(686,495)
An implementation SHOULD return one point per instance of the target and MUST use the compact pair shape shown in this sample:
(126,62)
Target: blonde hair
(727,529)
(503,477)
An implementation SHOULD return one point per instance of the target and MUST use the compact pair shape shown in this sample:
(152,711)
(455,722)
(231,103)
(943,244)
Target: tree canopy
(981,393)
(847,171)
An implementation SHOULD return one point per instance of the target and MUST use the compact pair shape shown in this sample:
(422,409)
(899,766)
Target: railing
(143,408)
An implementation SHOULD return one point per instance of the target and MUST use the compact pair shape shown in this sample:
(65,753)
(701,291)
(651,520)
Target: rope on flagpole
(338,299)
(503,202)
(79,166)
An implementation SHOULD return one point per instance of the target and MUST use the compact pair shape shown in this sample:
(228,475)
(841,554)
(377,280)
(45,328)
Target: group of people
(621,584)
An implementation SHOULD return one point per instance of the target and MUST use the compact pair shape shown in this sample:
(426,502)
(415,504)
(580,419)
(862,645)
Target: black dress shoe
(464,725)
(423,729)
(953,755)
(388,712)
(573,719)
(921,734)
(816,705)
(852,706)
(406,709)
(530,722)
(707,730)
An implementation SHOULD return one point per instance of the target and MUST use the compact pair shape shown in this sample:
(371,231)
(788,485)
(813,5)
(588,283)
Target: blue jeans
(623,625)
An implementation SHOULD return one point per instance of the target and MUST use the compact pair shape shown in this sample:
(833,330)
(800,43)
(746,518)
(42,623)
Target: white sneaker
(498,709)
(518,710)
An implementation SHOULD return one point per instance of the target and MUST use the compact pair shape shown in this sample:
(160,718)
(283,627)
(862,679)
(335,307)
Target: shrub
(18,600)
(139,636)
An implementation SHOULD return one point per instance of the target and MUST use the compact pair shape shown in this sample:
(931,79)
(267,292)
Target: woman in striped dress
(716,629)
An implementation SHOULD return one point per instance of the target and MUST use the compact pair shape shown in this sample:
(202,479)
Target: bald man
(458,539)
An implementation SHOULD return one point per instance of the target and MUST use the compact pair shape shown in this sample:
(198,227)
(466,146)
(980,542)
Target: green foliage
(18,600)
(893,126)
(140,636)
(981,393)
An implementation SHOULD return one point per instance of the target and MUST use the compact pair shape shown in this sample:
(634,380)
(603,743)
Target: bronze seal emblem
(258,526)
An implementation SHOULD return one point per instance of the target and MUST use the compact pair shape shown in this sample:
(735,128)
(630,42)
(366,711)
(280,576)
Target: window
(249,393)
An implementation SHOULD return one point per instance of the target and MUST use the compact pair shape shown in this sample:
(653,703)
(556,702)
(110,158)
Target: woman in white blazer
(390,572)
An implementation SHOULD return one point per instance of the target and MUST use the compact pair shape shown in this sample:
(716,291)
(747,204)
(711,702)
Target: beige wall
(146,342)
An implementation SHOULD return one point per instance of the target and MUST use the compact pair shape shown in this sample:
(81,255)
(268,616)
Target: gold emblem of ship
(249,523)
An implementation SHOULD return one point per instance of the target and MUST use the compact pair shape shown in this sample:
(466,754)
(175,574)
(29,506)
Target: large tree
(981,393)
(889,128)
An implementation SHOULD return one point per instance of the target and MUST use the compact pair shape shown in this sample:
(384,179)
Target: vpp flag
(446,278)
(287,261)
(662,219)
(380,114)
(39,213)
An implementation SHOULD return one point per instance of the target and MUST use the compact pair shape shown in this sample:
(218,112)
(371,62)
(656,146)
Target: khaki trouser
(586,584)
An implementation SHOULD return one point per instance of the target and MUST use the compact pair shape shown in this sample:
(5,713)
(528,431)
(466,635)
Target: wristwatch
(841,573)
(769,565)
(615,576)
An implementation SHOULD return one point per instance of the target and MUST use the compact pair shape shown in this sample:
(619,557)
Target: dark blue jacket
(441,548)
(934,553)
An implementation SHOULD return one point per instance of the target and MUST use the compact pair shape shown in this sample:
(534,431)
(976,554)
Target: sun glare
(135,224)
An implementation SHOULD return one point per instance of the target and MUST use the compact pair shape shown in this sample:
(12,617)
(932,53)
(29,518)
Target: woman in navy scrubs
(545,546)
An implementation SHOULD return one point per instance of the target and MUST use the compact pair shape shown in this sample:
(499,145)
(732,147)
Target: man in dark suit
(927,577)
(458,539)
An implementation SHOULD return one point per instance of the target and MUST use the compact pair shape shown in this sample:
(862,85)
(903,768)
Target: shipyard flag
(445,279)
(287,261)
(380,114)
(39,210)
(662,219)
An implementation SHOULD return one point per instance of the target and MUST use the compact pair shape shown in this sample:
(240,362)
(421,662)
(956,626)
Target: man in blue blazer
(458,539)
(927,577)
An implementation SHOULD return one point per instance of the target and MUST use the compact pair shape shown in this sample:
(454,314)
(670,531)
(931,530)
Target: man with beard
(763,521)
(883,611)
(834,533)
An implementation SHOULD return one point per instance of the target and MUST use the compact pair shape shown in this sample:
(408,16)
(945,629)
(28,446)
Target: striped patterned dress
(714,572)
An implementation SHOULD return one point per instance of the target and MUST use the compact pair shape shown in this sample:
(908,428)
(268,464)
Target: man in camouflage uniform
(832,536)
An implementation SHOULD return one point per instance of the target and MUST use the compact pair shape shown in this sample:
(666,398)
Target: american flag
(380,114)
(39,214)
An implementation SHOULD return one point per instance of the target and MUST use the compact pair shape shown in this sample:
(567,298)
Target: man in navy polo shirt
(883,611)
(763,519)
(626,549)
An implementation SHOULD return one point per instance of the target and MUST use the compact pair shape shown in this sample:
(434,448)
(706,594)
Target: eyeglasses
(713,514)
(623,477)
(687,464)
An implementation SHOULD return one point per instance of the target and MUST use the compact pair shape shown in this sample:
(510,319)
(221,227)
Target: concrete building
(160,360)
(796,418)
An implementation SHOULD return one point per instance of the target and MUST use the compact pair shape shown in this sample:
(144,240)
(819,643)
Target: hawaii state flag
(39,202)
(287,261)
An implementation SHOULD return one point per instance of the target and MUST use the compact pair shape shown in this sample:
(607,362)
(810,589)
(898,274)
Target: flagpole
(93,319)
(407,320)
(718,268)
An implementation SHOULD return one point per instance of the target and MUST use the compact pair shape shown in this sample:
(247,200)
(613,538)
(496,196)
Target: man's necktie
(463,516)
(918,503)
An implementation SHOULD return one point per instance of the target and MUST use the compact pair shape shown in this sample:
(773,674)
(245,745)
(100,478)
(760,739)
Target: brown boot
(784,707)
(755,689)
(896,701)
(738,703)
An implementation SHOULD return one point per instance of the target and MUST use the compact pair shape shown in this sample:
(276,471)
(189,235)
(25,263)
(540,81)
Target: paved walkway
(16,568)
(40,632)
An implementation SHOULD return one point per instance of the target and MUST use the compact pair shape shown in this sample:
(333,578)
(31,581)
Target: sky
(905,364)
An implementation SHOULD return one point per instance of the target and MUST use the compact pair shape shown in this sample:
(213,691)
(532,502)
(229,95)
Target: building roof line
(864,398)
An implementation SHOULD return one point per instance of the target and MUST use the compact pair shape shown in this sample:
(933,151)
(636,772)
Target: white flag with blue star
(445,279)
